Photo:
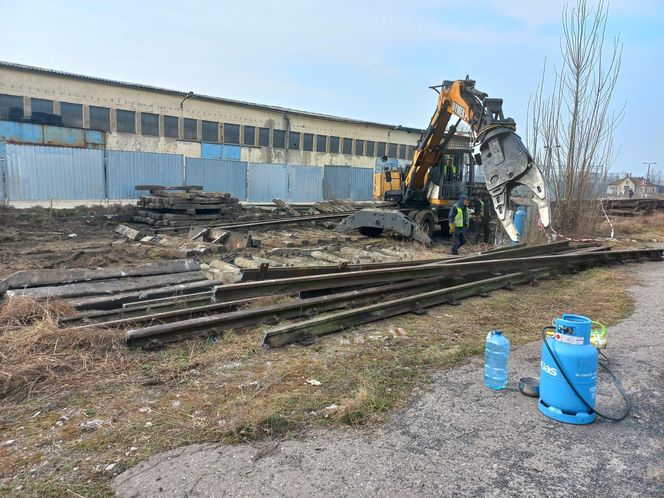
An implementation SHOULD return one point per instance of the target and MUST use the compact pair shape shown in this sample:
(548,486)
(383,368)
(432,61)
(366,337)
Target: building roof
(636,179)
(138,86)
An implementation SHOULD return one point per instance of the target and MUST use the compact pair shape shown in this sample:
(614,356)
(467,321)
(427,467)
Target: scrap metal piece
(507,164)
(380,219)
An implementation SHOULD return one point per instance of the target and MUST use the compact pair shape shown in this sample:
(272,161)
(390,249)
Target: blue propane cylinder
(578,358)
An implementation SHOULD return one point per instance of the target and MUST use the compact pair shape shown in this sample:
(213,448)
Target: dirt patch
(60,238)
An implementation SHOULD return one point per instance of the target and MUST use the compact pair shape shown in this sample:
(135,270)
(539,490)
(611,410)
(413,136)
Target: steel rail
(104,317)
(281,221)
(244,290)
(207,295)
(349,318)
(156,335)
(145,307)
(342,320)
(302,271)
(258,223)
(215,324)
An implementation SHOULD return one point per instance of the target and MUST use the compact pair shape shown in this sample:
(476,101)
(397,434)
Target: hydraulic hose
(616,382)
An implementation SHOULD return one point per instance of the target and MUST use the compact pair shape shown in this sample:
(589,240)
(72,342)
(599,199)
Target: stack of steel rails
(362,293)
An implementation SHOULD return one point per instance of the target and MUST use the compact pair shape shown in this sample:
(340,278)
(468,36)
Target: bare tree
(570,130)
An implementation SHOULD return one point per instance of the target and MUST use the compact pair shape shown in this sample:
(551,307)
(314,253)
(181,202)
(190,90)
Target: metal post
(3,175)
(106,189)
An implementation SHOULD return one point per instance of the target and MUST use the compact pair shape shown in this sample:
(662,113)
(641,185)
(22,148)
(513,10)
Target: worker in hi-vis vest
(458,220)
(449,171)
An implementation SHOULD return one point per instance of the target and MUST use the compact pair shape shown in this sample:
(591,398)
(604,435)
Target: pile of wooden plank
(334,206)
(184,206)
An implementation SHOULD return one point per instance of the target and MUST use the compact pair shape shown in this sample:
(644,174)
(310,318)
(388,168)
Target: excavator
(420,193)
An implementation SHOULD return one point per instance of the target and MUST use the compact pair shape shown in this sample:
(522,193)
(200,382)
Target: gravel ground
(458,439)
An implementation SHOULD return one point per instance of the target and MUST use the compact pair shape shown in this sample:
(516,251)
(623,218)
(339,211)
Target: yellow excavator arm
(431,146)
(498,149)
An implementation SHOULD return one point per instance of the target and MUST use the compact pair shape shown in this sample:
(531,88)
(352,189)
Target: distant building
(640,186)
(136,117)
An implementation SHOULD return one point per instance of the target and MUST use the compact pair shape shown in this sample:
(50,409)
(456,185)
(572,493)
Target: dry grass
(640,228)
(79,401)
(36,357)
(25,311)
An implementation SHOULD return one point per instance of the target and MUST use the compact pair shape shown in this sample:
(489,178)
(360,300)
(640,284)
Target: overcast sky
(370,60)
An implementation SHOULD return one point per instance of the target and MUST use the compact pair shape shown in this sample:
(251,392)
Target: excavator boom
(500,152)
(505,160)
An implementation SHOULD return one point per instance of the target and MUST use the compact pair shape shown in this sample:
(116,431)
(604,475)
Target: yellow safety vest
(458,218)
(481,209)
(452,167)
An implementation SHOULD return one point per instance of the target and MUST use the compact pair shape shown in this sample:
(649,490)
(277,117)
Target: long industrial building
(132,117)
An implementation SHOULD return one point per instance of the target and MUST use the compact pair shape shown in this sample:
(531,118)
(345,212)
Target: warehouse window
(334,145)
(11,107)
(293,140)
(278,139)
(359,147)
(402,151)
(264,137)
(190,129)
(231,133)
(149,124)
(171,127)
(100,118)
(392,150)
(371,148)
(410,152)
(41,105)
(210,131)
(321,142)
(308,142)
(249,135)
(380,149)
(125,121)
(72,114)
(348,146)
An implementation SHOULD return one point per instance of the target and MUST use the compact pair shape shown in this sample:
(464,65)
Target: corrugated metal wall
(361,184)
(218,176)
(305,183)
(35,172)
(125,170)
(336,182)
(266,182)
(42,173)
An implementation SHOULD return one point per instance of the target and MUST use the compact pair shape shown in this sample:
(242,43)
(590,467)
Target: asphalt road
(460,439)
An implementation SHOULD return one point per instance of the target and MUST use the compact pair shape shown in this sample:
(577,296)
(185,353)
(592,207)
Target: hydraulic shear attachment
(507,164)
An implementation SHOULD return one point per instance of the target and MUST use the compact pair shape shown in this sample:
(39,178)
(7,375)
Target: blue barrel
(578,358)
(520,217)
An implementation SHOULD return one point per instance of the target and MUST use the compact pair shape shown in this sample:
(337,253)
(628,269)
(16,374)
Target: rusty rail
(422,284)
(244,290)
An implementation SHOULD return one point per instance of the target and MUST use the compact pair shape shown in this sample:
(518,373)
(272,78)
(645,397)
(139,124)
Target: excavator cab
(388,180)
(449,177)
